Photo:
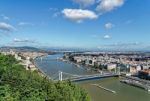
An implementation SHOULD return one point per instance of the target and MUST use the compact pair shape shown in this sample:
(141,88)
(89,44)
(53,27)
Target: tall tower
(60,75)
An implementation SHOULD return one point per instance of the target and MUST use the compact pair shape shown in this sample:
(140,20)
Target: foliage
(18,84)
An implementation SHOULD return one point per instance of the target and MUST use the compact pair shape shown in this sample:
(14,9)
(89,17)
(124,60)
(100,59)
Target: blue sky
(91,24)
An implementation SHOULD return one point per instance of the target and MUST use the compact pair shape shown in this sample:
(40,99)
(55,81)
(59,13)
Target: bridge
(61,76)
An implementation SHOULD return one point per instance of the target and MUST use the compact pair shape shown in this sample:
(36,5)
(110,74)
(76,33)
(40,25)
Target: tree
(18,84)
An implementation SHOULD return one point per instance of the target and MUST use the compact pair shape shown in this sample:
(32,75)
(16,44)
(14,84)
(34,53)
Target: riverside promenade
(134,81)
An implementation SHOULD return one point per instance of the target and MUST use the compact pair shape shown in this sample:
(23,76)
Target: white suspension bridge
(61,76)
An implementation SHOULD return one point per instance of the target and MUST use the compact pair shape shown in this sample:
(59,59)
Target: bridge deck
(84,78)
(75,78)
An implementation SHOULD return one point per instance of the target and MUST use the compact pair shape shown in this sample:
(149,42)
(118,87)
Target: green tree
(18,84)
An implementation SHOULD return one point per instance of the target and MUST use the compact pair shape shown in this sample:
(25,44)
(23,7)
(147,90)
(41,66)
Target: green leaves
(17,84)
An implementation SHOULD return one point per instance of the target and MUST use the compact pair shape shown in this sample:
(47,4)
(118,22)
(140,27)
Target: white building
(111,66)
(17,57)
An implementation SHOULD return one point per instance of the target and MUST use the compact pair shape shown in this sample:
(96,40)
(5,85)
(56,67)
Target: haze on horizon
(89,24)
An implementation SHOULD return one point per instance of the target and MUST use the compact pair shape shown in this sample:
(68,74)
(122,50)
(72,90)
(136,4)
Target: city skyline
(90,24)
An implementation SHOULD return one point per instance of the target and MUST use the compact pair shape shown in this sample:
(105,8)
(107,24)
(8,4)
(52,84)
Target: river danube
(50,65)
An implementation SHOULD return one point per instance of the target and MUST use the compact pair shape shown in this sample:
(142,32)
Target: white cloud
(24,23)
(23,40)
(109,5)
(53,9)
(109,25)
(56,14)
(84,3)
(6,27)
(107,37)
(79,15)
(128,22)
(121,46)
(5,17)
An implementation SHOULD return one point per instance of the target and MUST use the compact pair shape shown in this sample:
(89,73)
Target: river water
(50,65)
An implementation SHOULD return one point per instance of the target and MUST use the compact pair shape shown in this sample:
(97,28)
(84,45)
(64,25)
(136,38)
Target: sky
(89,24)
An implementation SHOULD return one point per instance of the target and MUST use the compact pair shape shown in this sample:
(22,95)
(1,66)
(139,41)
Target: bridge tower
(41,58)
(118,71)
(60,75)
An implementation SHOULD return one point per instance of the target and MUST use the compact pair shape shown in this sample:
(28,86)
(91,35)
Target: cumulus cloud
(16,40)
(109,5)
(107,37)
(109,25)
(79,15)
(84,3)
(6,27)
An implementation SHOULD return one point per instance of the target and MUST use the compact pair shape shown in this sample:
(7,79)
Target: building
(77,59)
(111,66)
(144,74)
(32,67)
(133,70)
(17,57)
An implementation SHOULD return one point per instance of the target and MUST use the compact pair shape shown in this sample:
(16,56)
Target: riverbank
(40,71)
(88,68)
(137,82)
(123,92)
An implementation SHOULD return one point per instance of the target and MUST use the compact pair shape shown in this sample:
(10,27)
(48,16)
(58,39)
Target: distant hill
(26,49)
